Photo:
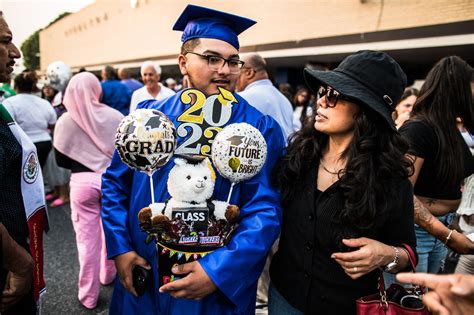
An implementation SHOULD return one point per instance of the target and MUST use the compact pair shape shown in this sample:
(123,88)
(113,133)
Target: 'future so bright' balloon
(239,152)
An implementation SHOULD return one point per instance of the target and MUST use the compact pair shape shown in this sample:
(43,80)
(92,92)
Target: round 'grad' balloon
(239,152)
(145,140)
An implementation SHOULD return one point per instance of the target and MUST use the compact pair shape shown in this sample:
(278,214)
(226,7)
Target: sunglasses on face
(330,94)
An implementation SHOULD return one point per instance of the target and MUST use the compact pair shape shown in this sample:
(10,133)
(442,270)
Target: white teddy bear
(191,185)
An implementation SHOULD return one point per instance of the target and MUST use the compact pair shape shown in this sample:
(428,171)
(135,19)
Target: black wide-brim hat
(370,78)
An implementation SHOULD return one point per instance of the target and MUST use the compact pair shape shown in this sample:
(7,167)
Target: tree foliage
(30,51)
(30,47)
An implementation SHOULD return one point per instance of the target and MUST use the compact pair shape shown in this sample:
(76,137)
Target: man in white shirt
(255,87)
(153,89)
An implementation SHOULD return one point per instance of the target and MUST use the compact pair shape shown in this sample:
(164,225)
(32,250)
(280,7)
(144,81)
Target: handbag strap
(411,259)
(411,256)
(413,263)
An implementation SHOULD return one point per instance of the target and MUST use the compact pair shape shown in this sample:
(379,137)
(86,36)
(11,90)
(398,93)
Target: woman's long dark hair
(376,161)
(446,95)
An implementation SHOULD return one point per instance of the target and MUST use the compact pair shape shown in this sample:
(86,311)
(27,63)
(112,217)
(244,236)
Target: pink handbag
(396,300)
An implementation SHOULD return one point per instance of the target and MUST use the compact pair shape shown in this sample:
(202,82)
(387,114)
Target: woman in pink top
(84,142)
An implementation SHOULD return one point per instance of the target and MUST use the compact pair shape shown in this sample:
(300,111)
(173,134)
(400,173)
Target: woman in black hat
(442,158)
(348,202)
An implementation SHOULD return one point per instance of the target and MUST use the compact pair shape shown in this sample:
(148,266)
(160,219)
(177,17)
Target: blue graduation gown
(234,268)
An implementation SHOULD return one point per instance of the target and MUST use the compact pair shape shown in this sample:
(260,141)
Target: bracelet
(448,237)
(394,264)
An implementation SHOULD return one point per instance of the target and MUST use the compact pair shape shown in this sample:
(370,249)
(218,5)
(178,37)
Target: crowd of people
(362,181)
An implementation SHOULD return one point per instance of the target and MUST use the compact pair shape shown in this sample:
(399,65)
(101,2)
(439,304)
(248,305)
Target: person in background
(114,93)
(171,84)
(302,109)
(48,93)
(442,159)
(153,89)
(57,178)
(287,90)
(21,203)
(126,78)
(405,106)
(468,137)
(33,114)
(256,88)
(6,91)
(447,295)
(92,125)
(464,221)
(347,199)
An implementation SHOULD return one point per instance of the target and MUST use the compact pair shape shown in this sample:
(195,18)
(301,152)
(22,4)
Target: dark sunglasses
(331,95)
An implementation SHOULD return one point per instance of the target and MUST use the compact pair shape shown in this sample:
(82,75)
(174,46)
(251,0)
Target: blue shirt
(132,84)
(267,99)
(116,95)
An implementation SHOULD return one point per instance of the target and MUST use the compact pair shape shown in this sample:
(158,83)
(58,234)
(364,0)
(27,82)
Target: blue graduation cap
(200,22)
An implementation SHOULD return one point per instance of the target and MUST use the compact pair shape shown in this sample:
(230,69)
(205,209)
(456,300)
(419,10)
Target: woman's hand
(460,243)
(369,255)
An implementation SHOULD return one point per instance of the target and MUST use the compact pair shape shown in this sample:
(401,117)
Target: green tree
(30,47)
(30,51)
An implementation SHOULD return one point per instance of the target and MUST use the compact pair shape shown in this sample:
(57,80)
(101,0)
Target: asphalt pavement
(62,269)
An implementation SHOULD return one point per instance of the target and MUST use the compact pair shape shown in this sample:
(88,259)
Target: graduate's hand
(196,285)
(124,264)
(449,294)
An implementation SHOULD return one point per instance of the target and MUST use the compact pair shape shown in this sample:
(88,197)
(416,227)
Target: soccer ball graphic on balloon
(145,140)
(58,74)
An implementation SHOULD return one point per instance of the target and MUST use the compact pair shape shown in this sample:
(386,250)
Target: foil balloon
(146,140)
(239,152)
(58,75)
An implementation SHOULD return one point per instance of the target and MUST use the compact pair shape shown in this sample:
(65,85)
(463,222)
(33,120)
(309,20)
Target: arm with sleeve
(399,229)
(236,267)
(116,186)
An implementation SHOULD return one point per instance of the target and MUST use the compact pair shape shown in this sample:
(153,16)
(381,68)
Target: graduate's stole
(32,191)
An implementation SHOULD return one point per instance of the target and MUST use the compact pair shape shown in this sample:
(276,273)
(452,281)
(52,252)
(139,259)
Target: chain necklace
(324,168)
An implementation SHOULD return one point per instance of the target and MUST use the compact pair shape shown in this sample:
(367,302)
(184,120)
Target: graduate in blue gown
(224,281)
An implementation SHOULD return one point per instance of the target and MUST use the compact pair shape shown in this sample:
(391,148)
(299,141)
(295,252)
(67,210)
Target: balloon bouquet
(146,140)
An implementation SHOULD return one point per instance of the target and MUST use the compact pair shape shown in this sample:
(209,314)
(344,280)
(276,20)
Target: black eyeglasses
(331,95)
(216,62)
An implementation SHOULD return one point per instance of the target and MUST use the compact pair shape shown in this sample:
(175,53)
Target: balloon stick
(152,189)
(230,192)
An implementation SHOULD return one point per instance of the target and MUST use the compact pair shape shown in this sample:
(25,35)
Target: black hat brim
(349,87)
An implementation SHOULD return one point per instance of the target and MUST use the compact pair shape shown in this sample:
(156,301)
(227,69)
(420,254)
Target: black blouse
(303,271)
